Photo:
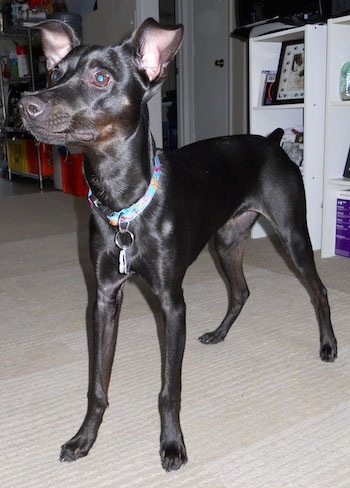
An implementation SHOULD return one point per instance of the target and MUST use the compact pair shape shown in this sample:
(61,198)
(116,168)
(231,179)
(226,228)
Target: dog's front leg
(172,447)
(105,326)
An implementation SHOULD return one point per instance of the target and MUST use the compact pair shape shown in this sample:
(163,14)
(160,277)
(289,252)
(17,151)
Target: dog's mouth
(61,137)
(78,136)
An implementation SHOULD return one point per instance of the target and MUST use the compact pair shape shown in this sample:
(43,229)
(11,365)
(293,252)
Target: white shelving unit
(264,54)
(337,133)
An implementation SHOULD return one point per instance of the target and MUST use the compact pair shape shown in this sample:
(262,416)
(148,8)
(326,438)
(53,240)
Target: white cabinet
(264,54)
(337,133)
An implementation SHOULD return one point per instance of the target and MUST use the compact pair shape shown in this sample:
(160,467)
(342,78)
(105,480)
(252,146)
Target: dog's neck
(119,173)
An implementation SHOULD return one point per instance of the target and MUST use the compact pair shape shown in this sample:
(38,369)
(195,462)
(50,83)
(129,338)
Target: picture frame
(290,73)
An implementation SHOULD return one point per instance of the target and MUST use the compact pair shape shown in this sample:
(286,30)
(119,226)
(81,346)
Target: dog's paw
(74,449)
(173,456)
(211,338)
(328,353)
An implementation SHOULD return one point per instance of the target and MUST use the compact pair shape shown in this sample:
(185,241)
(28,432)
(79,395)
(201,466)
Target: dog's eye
(101,79)
(54,76)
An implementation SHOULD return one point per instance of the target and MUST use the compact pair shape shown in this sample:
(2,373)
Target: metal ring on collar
(124,239)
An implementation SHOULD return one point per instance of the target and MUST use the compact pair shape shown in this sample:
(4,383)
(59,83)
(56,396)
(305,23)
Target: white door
(210,62)
(204,70)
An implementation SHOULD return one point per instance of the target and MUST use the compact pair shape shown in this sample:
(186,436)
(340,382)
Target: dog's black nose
(31,105)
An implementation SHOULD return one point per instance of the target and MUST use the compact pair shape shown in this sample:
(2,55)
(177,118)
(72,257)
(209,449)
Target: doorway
(205,69)
(193,119)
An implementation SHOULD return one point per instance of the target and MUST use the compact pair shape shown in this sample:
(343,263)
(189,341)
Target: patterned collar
(126,215)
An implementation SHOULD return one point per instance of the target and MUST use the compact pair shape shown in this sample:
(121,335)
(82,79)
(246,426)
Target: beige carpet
(259,410)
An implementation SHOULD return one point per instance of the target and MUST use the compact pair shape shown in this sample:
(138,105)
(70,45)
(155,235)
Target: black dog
(152,212)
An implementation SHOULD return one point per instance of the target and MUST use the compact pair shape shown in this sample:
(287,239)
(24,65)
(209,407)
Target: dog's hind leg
(230,242)
(298,244)
(291,226)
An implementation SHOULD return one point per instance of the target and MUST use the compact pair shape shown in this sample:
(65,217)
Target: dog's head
(96,93)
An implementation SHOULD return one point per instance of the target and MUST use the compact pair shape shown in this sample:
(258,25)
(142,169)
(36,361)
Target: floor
(22,186)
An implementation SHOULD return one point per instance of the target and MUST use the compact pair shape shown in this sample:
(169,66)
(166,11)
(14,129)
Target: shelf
(279,106)
(35,176)
(264,54)
(339,103)
(337,138)
(23,151)
(341,21)
(18,31)
(15,33)
(282,36)
(339,182)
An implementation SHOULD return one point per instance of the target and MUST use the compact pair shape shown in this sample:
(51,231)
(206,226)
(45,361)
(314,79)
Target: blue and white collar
(126,215)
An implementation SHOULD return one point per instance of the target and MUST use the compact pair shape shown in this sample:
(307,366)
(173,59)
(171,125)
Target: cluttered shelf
(23,68)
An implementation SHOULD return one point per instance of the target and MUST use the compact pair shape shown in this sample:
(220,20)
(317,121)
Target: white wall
(112,22)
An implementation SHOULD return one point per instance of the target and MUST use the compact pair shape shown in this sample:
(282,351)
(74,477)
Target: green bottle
(344,85)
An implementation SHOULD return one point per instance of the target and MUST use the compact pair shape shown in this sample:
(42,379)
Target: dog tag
(124,239)
(124,265)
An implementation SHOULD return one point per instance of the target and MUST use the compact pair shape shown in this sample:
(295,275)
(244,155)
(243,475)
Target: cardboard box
(342,246)
(342,229)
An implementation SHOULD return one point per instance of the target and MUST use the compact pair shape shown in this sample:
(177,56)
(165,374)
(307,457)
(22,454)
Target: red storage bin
(46,158)
(73,180)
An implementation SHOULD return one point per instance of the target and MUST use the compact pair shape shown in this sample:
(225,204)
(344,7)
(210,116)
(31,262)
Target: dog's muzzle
(51,125)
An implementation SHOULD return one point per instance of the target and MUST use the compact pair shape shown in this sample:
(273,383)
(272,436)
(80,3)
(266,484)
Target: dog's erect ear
(155,47)
(58,39)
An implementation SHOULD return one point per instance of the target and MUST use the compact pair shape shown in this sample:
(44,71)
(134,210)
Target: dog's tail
(276,135)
